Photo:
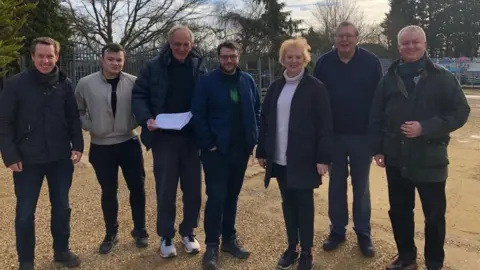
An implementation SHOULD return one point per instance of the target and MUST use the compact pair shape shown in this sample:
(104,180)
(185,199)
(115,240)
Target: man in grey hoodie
(104,101)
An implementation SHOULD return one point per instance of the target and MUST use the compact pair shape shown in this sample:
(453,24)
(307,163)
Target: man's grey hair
(180,27)
(409,29)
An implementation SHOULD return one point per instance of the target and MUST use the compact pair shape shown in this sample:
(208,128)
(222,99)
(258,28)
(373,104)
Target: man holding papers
(226,113)
(161,104)
(104,101)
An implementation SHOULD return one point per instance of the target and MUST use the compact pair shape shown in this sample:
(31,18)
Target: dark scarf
(48,79)
(408,72)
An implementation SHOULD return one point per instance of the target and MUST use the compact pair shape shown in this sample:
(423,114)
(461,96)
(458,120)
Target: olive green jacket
(437,103)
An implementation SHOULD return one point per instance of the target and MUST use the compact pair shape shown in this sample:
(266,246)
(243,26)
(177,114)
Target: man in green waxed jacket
(416,106)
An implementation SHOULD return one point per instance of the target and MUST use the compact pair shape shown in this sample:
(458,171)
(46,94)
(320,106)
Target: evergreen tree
(13,15)
(401,14)
(47,19)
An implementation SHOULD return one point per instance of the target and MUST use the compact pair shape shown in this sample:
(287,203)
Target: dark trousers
(298,210)
(401,192)
(224,174)
(177,156)
(350,151)
(106,159)
(28,184)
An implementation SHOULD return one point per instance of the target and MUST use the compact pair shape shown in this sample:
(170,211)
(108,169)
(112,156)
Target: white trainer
(167,248)
(191,244)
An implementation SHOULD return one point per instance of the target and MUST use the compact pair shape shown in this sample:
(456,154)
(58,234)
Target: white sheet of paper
(175,121)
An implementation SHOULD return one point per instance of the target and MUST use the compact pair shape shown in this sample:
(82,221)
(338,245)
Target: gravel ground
(260,221)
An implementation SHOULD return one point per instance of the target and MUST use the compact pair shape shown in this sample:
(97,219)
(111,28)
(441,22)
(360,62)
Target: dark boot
(288,259)
(141,238)
(403,264)
(108,243)
(306,261)
(235,248)
(67,259)
(366,246)
(210,258)
(333,241)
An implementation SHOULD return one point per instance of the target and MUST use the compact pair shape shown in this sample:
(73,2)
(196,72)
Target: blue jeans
(28,184)
(350,151)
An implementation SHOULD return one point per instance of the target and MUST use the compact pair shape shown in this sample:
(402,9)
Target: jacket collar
(100,73)
(430,66)
(238,70)
(305,73)
(62,76)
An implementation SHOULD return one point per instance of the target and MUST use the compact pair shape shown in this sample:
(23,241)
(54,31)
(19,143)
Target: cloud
(374,10)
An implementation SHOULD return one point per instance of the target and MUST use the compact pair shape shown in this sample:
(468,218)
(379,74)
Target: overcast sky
(374,10)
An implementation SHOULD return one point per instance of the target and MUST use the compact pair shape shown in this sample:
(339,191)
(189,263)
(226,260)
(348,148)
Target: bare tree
(329,14)
(135,23)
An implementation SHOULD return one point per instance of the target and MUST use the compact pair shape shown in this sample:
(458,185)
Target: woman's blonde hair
(299,42)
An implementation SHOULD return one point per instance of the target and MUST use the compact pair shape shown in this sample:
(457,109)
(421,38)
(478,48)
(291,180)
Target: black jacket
(310,135)
(437,102)
(38,123)
(150,89)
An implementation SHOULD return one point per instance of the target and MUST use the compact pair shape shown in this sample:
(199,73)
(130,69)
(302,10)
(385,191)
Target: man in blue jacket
(226,114)
(351,75)
(166,85)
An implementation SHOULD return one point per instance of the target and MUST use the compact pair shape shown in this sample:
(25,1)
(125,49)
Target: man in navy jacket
(166,85)
(351,75)
(226,114)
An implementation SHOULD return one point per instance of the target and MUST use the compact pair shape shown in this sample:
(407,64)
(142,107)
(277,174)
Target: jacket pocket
(435,154)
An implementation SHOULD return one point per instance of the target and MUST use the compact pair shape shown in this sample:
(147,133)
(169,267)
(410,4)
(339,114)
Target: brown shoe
(402,264)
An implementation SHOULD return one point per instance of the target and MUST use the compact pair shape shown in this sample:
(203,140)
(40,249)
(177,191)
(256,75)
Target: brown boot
(402,264)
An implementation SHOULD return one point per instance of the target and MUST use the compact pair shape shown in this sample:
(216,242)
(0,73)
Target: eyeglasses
(226,57)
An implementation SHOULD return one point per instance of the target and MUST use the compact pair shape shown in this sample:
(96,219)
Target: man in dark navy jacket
(41,137)
(226,115)
(166,85)
(350,74)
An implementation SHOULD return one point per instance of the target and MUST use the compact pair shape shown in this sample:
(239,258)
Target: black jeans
(298,210)
(401,192)
(106,159)
(224,174)
(28,184)
(177,156)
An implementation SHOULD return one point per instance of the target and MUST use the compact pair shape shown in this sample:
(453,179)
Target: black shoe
(67,259)
(306,261)
(366,246)
(403,264)
(210,258)
(288,259)
(235,248)
(25,266)
(108,243)
(141,238)
(333,241)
